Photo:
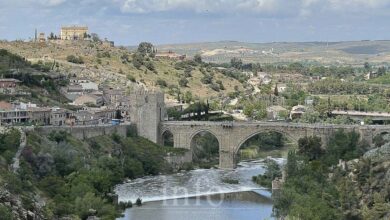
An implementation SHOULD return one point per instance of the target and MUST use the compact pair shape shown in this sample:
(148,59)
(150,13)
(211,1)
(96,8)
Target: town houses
(92,105)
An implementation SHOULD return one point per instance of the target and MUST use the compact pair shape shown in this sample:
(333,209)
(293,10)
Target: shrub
(74,59)
(207,79)
(215,87)
(230,181)
(150,66)
(162,83)
(60,136)
(183,82)
(5,213)
(131,78)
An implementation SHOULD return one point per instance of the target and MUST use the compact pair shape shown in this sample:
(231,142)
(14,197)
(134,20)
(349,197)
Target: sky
(129,22)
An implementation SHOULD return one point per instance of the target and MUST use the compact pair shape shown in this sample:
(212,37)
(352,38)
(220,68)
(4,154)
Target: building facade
(8,86)
(74,32)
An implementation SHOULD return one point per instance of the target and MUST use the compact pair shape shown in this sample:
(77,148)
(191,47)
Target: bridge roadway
(231,135)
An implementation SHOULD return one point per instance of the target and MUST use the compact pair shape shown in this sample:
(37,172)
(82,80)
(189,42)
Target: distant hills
(347,52)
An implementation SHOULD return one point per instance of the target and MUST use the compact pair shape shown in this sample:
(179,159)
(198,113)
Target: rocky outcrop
(15,204)
(378,154)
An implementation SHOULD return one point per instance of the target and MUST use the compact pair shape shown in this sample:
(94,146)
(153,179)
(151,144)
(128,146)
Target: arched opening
(167,139)
(263,144)
(205,149)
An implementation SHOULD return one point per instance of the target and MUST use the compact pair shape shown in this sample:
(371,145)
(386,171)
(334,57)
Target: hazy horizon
(128,22)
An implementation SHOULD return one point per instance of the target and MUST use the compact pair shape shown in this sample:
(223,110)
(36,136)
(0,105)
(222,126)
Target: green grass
(385,79)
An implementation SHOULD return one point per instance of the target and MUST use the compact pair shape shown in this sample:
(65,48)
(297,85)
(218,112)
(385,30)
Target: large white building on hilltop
(74,32)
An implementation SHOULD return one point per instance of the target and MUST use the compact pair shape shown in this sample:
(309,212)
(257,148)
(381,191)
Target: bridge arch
(195,133)
(288,135)
(205,146)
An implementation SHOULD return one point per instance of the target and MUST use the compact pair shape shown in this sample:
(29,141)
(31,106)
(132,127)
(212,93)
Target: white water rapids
(193,183)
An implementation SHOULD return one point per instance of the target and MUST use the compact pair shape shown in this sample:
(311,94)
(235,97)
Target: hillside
(114,65)
(61,177)
(349,52)
(36,85)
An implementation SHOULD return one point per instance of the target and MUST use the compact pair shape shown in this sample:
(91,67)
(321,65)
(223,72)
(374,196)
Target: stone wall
(86,132)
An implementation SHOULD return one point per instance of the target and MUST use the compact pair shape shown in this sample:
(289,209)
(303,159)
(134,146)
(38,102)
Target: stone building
(74,32)
(58,116)
(8,86)
(41,37)
(113,97)
(40,116)
(11,115)
(276,112)
(170,55)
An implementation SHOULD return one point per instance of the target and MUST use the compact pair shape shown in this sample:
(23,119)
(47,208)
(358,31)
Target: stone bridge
(231,135)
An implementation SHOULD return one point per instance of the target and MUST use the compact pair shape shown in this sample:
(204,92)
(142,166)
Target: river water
(199,194)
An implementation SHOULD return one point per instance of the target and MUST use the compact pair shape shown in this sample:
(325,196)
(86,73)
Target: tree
(344,145)
(207,79)
(198,58)
(138,60)
(95,37)
(51,36)
(187,71)
(145,48)
(379,210)
(236,63)
(150,66)
(188,97)
(311,147)
(292,164)
(5,213)
(255,110)
(276,90)
(221,86)
(381,71)
(367,66)
(183,82)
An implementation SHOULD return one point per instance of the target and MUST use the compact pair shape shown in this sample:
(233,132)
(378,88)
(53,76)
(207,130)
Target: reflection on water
(229,206)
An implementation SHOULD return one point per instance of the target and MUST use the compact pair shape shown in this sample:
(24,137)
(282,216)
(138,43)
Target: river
(199,194)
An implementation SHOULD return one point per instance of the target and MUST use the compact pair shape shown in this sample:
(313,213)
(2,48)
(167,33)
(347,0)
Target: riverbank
(61,176)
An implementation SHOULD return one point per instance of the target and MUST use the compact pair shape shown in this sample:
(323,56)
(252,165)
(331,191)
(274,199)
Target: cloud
(200,6)
(31,3)
(357,4)
(268,7)
(52,2)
